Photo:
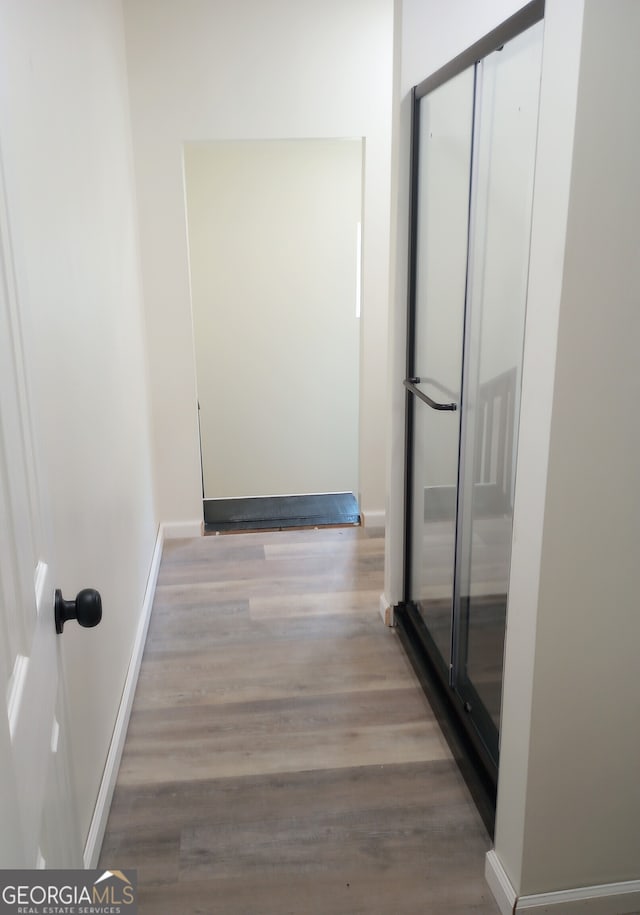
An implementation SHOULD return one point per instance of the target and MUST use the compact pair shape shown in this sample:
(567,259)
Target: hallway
(281,757)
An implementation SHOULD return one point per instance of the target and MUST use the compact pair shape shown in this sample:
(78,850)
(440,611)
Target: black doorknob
(86,609)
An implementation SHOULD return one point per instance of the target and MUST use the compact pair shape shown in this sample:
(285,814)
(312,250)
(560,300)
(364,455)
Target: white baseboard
(604,899)
(373,518)
(176,530)
(105,794)
(499,884)
(386,611)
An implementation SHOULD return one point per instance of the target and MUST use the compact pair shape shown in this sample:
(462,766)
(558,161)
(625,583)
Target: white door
(38,826)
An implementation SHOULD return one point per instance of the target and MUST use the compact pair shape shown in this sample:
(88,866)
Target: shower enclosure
(473,153)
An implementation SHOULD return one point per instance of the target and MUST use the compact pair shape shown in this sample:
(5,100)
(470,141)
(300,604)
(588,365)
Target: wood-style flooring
(281,756)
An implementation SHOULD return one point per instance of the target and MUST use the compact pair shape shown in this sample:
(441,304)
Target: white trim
(15,690)
(177,530)
(358,268)
(603,899)
(499,884)
(105,794)
(373,518)
(386,610)
(55,735)
(40,583)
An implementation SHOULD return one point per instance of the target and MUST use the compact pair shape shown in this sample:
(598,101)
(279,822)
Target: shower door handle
(411,385)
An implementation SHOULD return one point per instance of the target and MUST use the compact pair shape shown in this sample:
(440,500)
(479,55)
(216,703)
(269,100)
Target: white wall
(205,70)
(568,800)
(582,813)
(273,245)
(560,63)
(66,148)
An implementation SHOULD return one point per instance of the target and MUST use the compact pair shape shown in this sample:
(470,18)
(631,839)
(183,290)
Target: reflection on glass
(508,90)
(446,118)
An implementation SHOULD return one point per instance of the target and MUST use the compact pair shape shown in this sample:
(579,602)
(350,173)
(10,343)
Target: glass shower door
(474,136)
(507,93)
(435,361)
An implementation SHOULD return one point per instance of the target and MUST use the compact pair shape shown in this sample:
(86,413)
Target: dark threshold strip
(280,512)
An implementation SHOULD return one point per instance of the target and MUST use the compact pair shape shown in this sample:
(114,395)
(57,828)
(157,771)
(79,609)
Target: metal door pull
(410,384)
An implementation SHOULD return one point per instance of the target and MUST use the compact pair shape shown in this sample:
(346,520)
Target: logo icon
(108,874)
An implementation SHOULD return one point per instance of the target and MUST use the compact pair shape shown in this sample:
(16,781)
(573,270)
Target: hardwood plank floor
(281,756)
